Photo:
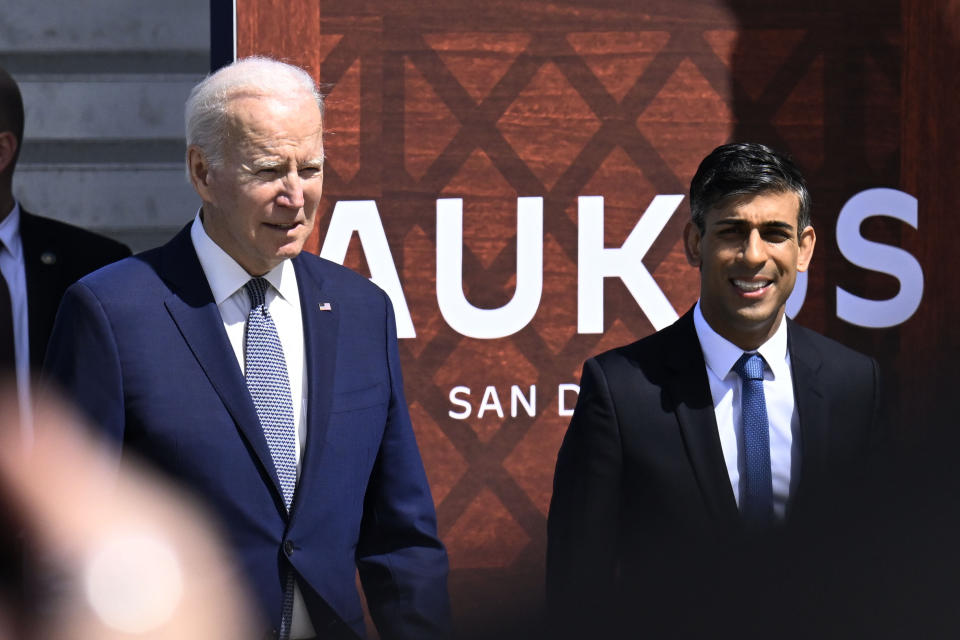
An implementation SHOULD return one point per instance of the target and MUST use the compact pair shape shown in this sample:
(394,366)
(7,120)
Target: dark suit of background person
(645,535)
(42,259)
(141,346)
(54,254)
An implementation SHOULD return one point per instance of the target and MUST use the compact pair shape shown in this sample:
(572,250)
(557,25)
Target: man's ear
(691,244)
(8,149)
(199,169)
(807,240)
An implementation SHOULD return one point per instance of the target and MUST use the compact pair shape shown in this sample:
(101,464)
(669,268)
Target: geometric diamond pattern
(686,120)
(478,60)
(756,71)
(486,531)
(342,136)
(425,120)
(618,58)
(489,213)
(548,124)
(625,188)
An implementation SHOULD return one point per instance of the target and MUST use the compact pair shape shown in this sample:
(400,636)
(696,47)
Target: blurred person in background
(39,259)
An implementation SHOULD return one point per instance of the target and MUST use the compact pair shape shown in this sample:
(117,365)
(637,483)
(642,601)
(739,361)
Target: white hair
(206,109)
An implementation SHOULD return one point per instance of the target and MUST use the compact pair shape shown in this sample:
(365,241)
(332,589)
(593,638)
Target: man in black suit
(693,452)
(39,257)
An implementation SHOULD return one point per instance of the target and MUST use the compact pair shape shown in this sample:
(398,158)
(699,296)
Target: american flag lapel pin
(325,306)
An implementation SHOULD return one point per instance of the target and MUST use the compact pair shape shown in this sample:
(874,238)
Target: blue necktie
(756,502)
(266,373)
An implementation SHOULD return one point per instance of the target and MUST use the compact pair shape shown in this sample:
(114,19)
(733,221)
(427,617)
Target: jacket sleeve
(402,563)
(584,512)
(83,362)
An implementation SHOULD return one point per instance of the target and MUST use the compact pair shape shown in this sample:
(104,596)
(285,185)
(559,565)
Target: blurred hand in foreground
(130,556)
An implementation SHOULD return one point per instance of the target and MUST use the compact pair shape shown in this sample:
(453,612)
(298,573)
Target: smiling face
(261,204)
(749,254)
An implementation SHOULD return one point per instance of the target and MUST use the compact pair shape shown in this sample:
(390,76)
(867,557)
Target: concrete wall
(104,83)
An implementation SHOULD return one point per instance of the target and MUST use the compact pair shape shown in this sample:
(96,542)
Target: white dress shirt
(227,279)
(14,270)
(726,389)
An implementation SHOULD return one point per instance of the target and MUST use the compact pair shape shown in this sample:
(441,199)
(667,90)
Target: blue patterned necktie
(756,501)
(266,373)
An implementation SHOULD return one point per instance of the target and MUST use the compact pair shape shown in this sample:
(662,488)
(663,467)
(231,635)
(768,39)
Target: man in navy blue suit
(267,381)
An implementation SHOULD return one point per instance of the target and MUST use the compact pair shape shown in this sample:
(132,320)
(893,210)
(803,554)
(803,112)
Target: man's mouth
(281,227)
(751,286)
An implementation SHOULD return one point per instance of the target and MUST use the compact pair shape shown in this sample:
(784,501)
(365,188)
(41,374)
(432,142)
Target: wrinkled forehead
(239,101)
(264,120)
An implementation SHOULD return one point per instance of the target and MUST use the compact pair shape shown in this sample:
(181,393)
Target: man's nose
(754,251)
(292,194)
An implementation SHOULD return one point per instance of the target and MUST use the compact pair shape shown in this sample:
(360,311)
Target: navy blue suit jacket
(140,346)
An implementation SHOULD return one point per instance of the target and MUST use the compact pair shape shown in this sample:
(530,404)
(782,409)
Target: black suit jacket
(55,256)
(642,504)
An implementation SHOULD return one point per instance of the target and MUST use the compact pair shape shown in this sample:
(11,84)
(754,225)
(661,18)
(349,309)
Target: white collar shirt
(13,267)
(720,355)
(227,280)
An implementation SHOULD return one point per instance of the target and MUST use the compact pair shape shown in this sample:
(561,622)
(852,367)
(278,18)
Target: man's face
(749,254)
(260,205)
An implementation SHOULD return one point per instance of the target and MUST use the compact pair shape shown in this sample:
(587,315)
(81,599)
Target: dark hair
(11,111)
(744,168)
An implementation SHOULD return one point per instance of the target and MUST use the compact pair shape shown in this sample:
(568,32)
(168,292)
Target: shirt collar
(720,354)
(10,231)
(226,276)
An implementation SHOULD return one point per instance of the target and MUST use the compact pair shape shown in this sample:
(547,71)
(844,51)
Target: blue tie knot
(257,290)
(749,366)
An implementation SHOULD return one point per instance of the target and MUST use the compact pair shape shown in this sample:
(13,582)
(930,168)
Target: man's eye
(777,236)
(309,172)
(267,172)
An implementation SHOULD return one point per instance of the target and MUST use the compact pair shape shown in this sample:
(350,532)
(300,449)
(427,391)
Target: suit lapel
(808,391)
(43,275)
(689,390)
(192,308)
(321,322)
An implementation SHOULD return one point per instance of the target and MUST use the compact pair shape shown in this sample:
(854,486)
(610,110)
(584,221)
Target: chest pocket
(359,398)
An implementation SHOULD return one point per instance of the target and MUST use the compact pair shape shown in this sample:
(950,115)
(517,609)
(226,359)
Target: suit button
(273,634)
(288,547)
